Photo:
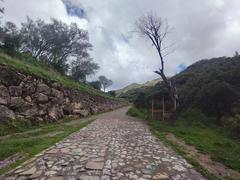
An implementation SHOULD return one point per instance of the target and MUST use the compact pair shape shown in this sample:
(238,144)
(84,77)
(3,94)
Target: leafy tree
(216,98)
(11,38)
(95,84)
(83,68)
(112,93)
(105,82)
(55,43)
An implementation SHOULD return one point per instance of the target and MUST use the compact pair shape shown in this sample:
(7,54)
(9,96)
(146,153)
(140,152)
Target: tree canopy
(56,44)
(105,82)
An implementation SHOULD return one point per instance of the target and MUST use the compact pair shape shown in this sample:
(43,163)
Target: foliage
(135,112)
(95,85)
(82,68)
(210,86)
(112,93)
(233,123)
(141,100)
(216,98)
(11,39)
(105,82)
(55,44)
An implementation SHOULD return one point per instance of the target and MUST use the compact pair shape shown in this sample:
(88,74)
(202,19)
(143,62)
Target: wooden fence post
(152,106)
(163,108)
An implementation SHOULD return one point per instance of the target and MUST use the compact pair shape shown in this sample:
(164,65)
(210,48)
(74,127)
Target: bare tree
(156,30)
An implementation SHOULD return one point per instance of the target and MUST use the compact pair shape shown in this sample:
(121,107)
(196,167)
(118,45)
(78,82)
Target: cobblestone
(114,146)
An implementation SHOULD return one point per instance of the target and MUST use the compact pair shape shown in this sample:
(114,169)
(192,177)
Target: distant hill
(134,86)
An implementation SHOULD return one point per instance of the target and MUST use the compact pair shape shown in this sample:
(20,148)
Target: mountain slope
(132,87)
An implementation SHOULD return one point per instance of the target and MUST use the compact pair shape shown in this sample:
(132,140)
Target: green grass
(208,139)
(141,113)
(36,139)
(36,69)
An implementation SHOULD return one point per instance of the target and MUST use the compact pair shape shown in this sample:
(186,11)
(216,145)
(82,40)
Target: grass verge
(36,139)
(211,140)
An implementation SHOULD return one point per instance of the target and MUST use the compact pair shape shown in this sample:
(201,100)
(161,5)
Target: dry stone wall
(26,96)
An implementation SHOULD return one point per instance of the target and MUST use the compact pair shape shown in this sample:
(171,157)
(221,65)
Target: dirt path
(114,146)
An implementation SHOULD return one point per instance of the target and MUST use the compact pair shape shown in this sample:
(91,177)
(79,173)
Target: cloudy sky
(201,29)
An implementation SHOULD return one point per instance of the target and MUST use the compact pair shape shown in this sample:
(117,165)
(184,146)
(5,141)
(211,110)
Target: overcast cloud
(202,29)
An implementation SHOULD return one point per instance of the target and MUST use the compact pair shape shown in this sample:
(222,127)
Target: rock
(39,120)
(3,101)
(94,165)
(55,113)
(57,93)
(29,171)
(4,91)
(5,113)
(56,178)
(82,112)
(87,177)
(161,176)
(42,112)
(16,102)
(67,109)
(30,112)
(15,91)
(9,77)
(56,85)
(36,174)
(28,89)
(42,98)
(49,173)
(179,168)
(76,105)
(28,99)
(43,88)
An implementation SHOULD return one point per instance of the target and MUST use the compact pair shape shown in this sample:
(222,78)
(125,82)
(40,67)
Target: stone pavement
(114,146)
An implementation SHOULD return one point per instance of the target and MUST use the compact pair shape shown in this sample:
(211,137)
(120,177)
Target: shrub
(233,123)
(137,113)
(193,117)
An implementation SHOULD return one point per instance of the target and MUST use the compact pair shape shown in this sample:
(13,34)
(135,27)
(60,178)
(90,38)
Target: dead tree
(156,30)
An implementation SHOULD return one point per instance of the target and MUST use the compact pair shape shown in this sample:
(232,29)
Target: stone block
(15,91)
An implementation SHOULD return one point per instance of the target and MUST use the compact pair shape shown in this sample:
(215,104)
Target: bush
(193,117)
(137,113)
(141,100)
(233,123)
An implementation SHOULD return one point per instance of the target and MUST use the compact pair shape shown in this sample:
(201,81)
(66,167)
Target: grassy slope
(38,138)
(48,74)
(210,140)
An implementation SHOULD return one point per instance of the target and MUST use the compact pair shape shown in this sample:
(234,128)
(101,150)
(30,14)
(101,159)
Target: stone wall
(26,96)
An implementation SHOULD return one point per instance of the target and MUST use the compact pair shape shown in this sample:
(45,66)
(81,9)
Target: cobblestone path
(114,146)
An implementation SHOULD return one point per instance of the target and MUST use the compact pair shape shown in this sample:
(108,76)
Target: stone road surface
(114,146)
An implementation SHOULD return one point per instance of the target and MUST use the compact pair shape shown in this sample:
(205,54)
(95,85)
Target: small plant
(137,113)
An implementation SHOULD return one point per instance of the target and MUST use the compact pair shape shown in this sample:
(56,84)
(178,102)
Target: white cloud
(202,29)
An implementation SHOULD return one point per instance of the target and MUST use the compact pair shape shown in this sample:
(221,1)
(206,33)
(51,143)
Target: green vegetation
(35,139)
(210,86)
(39,70)
(141,113)
(209,139)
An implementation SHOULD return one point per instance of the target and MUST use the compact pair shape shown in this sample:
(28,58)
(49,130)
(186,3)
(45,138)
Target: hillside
(211,86)
(133,87)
